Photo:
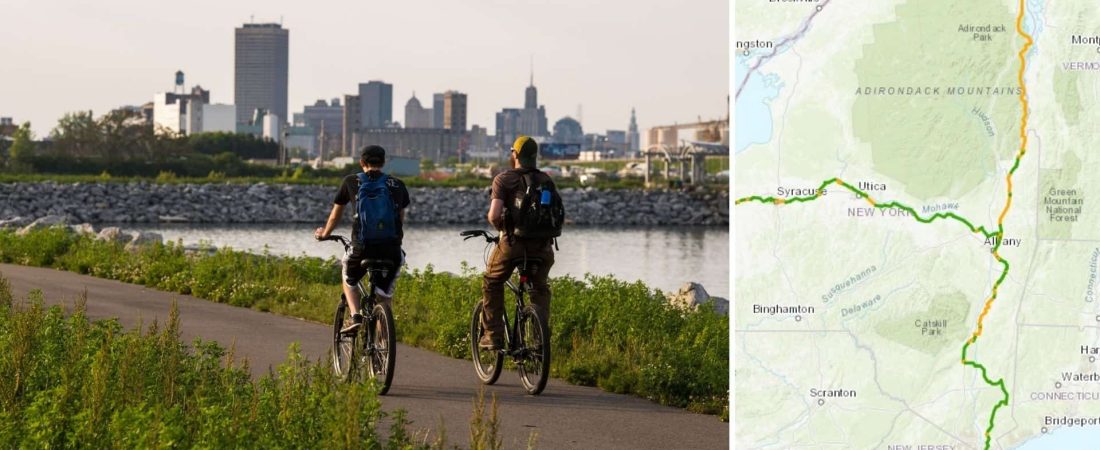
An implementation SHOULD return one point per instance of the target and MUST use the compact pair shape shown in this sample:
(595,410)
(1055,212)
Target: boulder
(84,228)
(112,234)
(692,296)
(138,239)
(43,222)
(14,222)
(721,305)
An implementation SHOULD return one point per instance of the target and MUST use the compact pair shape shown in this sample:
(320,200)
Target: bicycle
(527,338)
(379,338)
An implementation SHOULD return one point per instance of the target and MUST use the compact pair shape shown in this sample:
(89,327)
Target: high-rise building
(352,124)
(454,111)
(632,138)
(260,70)
(192,113)
(416,116)
(437,110)
(375,104)
(530,121)
(531,96)
(324,122)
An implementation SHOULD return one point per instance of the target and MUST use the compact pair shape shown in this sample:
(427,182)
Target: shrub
(622,337)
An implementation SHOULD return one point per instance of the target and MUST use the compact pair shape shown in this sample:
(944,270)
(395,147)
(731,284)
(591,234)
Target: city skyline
(596,55)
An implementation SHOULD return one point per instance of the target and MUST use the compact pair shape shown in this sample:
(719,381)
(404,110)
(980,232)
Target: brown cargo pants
(502,262)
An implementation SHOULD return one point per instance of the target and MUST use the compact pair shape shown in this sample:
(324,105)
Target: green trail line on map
(997,235)
(982,230)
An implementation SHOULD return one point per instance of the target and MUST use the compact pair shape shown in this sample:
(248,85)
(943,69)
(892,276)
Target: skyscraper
(454,111)
(352,125)
(437,110)
(376,104)
(530,121)
(632,138)
(260,70)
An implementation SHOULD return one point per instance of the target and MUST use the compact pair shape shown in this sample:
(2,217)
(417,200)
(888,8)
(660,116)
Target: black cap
(374,155)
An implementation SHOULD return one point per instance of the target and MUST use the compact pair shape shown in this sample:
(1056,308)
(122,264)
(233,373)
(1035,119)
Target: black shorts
(354,270)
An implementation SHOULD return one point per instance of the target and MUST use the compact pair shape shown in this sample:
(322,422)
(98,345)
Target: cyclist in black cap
(379,213)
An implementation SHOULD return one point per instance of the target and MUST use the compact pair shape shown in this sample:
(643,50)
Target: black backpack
(541,213)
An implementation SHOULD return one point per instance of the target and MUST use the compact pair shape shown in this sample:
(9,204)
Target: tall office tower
(454,111)
(531,96)
(350,131)
(437,110)
(260,70)
(376,104)
(632,133)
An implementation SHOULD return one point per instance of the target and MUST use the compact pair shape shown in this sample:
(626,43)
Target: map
(917,224)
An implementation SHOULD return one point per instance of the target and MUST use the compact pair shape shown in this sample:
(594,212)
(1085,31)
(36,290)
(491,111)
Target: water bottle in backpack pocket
(541,212)
(375,211)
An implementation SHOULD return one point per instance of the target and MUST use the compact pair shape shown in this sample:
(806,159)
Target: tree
(427,165)
(77,134)
(22,145)
(124,135)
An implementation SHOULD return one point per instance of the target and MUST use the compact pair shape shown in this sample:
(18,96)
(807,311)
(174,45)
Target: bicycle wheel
(534,360)
(487,363)
(384,342)
(343,345)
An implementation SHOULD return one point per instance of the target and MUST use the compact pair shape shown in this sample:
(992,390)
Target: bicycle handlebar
(336,237)
(470,234)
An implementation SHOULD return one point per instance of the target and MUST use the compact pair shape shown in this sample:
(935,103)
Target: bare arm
(333,219)
(496,214)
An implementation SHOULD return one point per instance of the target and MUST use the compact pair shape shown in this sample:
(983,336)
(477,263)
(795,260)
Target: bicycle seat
(531,261)
(533,264)
(377,264)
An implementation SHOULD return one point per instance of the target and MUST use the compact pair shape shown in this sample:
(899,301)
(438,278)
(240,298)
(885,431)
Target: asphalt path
(430,387)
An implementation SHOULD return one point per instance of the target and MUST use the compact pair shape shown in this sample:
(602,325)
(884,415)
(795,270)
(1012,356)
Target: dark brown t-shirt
(509,187)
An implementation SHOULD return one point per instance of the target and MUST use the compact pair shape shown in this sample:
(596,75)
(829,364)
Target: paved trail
(429,386)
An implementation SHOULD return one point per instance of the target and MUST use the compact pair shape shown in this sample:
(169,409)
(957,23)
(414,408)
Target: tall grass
(618,336)
(72,383)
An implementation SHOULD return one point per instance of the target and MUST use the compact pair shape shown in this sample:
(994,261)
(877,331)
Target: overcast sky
(667,59)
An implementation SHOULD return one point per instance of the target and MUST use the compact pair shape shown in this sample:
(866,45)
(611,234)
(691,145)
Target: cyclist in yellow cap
(507,200)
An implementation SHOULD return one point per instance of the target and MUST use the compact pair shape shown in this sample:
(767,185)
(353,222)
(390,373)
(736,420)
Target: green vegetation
(72,383)
(619,336)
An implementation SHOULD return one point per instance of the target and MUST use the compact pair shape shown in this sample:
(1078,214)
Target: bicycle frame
(367,298)
(511,328)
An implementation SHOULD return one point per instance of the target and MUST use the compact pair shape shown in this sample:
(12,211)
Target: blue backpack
(374,208)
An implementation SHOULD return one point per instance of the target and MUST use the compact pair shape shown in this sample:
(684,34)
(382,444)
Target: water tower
(179,82)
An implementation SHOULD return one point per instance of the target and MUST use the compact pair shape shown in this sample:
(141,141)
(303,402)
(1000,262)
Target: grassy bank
(607,333)
(72,383)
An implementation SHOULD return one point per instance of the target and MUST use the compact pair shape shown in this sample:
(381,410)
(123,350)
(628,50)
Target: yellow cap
(525,148)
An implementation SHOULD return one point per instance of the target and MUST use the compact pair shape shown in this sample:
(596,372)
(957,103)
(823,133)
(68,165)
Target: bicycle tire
(384,335)
(343,346)
(534,364)
(487,363)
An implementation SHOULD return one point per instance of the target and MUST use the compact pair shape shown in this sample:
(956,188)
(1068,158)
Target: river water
(661,257)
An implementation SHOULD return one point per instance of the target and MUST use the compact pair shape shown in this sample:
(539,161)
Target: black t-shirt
(350,187)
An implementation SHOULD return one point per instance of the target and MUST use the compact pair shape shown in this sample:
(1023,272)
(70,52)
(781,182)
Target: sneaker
(356,322)
(490,342)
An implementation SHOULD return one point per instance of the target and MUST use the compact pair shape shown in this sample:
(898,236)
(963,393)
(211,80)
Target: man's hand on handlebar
(469,234)
(319,234)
